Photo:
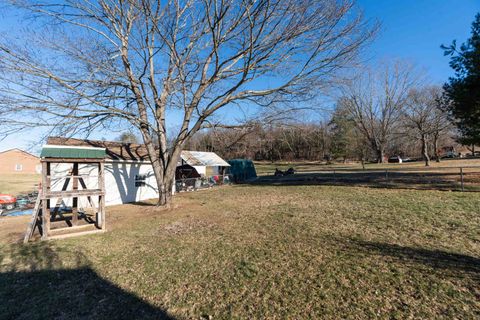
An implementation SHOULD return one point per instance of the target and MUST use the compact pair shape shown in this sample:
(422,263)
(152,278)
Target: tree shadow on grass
(453,263)
(145,203)
(374,179)
(38,283)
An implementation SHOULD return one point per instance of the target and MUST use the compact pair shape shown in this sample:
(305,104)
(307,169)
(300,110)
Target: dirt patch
(181,227)
(12,229)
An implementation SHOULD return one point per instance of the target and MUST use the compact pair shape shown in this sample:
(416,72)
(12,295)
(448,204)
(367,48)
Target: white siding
(212,170)
(202,170)
(119,182)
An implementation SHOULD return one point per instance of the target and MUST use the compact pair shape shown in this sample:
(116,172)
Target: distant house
(458,150)
(16,161)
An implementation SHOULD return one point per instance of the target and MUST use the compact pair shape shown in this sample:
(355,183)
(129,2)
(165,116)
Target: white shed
(128,172)
(206,163)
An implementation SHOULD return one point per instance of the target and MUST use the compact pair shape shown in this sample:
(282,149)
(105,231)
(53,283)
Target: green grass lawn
(246,252)
(18,183)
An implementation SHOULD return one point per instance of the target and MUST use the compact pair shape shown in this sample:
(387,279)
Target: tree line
(386,111)
(378,114)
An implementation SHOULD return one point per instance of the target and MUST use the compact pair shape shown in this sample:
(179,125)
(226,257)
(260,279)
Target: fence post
(461,178)
(334,176)
(386,176)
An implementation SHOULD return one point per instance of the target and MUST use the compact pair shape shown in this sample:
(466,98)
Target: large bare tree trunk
(164,180)
(380,155)
(165,192)
(166,177)
(426,157)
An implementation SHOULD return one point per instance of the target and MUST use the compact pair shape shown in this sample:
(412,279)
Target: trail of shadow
(145,204)
(42,291)
(453,262)
(377,179)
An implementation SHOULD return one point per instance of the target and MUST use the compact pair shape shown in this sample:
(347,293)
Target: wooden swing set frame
(43,216)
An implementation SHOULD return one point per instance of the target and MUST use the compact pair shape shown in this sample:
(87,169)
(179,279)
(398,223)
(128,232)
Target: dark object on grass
(280,173)
(395,159)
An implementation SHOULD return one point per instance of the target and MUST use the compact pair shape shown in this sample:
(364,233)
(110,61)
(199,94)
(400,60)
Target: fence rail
(465,178)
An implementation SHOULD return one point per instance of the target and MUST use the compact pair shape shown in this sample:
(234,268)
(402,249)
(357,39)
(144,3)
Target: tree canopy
(463,90)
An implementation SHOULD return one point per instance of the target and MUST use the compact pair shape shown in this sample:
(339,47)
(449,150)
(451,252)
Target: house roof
(199,158)
(17,149)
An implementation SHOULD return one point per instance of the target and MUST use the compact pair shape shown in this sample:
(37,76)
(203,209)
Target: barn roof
(72,152)
(113,150)
(136,152)
(199,158)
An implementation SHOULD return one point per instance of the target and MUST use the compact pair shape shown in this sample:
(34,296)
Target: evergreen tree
(463,90)
(342,128)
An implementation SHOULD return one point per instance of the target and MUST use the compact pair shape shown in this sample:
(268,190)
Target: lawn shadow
(38,283)
(145,203)
(373,179)
(454,264)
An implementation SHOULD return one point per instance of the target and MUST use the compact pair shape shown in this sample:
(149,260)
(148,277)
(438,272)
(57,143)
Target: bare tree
(424,116)
(103,63)
(127,137)
(375,100)
(442,125)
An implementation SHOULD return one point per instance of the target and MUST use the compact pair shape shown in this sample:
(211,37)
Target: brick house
(17,161)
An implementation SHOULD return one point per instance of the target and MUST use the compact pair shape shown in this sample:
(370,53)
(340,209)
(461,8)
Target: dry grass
(18,183)
(260,252)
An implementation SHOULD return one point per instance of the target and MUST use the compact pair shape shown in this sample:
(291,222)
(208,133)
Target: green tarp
(242,170)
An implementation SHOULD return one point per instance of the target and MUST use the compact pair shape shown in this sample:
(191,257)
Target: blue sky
(415,29)
(410,30)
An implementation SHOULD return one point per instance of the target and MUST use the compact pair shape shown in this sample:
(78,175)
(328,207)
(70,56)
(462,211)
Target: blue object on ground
(18,213)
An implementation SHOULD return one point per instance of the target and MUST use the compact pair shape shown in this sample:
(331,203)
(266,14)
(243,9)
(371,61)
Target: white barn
(128,172)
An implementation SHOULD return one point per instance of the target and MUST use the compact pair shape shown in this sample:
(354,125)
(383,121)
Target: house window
(18,167)
(140,180)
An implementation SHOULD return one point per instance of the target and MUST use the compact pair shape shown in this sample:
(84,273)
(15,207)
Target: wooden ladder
(34,221)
